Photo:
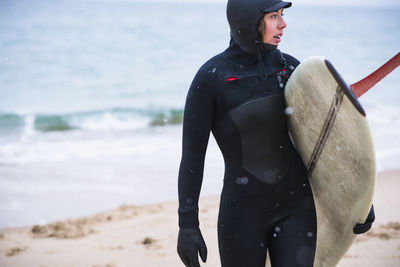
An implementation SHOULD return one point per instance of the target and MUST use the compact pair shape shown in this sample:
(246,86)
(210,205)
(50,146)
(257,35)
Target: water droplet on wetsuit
(288,110)
(271,176)
(305,256)
(242,180)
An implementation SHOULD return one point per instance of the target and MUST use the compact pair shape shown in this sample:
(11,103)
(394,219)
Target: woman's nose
(282,24)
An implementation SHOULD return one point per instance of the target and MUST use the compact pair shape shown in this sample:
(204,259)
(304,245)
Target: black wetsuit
(266,202)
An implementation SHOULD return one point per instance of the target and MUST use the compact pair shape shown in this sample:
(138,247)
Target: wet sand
(146,236)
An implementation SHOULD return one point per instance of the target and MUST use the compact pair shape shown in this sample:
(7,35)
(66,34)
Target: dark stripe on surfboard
(326,129)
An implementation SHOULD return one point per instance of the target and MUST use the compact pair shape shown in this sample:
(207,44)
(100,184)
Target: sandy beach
(146,236)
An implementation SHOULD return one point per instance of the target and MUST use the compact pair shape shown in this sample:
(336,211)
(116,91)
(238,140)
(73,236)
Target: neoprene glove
(361,228)
(190,244)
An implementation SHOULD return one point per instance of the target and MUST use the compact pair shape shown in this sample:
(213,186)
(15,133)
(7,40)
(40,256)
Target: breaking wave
(103,120)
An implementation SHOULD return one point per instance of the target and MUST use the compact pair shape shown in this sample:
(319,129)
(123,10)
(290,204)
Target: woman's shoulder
(213,65)
(209,71)
(291,60)
(206,81)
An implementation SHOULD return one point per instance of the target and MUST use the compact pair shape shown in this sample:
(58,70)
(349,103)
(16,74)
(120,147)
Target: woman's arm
(198,117)
(197,122)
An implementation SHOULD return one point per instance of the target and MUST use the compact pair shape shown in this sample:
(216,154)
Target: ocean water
(92,95)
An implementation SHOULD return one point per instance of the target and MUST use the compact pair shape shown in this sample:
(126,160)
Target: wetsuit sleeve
(198,117)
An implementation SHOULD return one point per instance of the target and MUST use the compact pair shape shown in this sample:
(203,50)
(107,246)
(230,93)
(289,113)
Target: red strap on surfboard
(362,86)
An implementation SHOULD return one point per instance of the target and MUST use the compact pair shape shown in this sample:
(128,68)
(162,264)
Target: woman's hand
(190,244)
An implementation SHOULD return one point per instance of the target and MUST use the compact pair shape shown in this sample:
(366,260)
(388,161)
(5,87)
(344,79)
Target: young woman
(266,202)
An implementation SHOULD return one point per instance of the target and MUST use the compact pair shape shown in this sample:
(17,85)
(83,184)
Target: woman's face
(274,25)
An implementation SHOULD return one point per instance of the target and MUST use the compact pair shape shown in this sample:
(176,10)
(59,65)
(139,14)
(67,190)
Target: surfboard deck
(333,138)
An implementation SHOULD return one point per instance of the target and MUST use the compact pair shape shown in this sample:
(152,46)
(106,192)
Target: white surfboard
(329,129)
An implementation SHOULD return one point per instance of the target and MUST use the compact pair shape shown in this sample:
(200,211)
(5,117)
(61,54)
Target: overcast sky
(309,2)
(296,2)
(349,2)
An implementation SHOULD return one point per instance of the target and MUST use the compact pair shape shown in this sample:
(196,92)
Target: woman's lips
(277,38)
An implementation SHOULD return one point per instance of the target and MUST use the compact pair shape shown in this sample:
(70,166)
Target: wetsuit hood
(243,18)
